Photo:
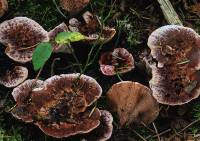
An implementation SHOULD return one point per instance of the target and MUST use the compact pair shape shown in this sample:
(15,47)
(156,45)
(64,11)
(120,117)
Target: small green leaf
(41,54)
(67,37)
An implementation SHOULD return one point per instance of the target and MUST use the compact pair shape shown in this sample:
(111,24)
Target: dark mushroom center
(65,107)
(23,36)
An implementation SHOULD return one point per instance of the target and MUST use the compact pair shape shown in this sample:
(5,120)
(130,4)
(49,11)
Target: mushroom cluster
(175,68)
(61,106)
(133,103)
(20,36)
(117,61)
(91,28)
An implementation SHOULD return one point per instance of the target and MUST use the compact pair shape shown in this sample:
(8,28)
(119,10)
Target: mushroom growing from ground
(118,61)
(59,106)
(13,76)
(74,6)
(20,36)
(175,77)
(91,28)
(3,7)
(52,34)
(104,131)
(133,103)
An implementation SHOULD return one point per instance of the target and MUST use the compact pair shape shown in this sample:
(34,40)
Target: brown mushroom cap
(74,6)
(3,7)
(175,80)
(104,131)
(14,76)
(83,123)
(91,28)
(21,35)
(174,86)
(118,61)
(22,95)
(59,105)
(133,103)
(175,44)
(53,33)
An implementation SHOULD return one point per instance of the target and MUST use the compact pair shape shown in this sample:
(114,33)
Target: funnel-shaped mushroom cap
(14,76)
(175,80)
(104,131)
(91,28)
(21,35)
(174,85)
(118,61)
(175,44)
(59,105)
(52,35)
(133,103)
(73,6)
(3,7)
(86,87)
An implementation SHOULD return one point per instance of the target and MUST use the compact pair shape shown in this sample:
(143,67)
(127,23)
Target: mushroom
(118,61)
(175,77)
(20,36)
(91,28)
(22,95)
(52,34)
(174,44)
(13,76)
(133,103)
(3,7)
(104,131)
(59,106)
(74,6)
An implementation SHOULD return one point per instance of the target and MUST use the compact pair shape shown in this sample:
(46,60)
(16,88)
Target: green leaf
(68,37)
(41,54)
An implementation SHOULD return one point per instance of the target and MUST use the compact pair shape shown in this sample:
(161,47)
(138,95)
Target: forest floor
(134,20)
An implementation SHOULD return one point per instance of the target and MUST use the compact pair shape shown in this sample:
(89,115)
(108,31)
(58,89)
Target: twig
(53,64)
(160,134)
(186,127)
(118,75)
(30,47)
(156,131)
(139,135)
(151,130)
(59,11)
(170,14)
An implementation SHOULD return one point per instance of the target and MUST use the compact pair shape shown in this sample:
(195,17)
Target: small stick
(147,127)
(30,47)
(186,127)
(53,64)
(156,131)
(160,134)
(119,77)
(139,135)
(170,14)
